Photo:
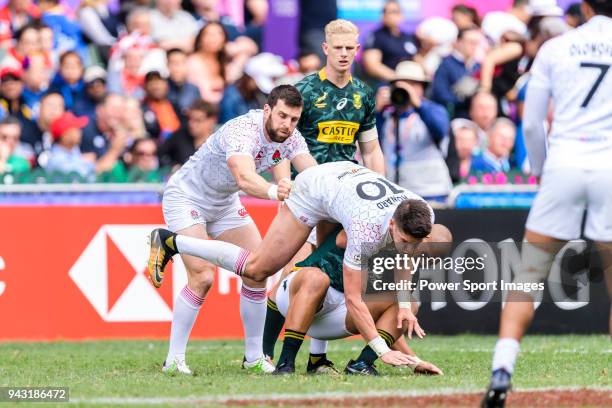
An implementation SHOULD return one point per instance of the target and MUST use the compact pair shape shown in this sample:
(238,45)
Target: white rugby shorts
(181,212)
(329,322)
(564,195)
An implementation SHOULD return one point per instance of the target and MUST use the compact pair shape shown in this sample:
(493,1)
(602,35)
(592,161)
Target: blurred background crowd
(127,91)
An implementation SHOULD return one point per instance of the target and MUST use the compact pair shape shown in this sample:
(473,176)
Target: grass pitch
(122,372)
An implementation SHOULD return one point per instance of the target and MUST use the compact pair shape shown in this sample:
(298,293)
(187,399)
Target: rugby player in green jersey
(339,113)
(312,299)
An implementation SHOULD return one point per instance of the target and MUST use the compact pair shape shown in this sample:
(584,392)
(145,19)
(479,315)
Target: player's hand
(284,188)
(396,358)
(405,314)
(425,367)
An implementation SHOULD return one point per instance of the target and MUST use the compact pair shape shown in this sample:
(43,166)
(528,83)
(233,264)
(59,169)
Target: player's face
(341,50)
(280,121)
(404,243)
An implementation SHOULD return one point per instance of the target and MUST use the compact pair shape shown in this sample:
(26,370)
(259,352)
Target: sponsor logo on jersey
(320,101)
(276,157)
(341,104)
(357,101)
(259,155)
(304,219)
(243,212)
(337,131)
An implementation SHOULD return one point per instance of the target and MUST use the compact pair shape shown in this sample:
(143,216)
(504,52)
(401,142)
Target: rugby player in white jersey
(575,169)
(312,300)
(373,211)
(201,200)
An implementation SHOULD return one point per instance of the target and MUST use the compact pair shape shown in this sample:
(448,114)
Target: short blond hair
(340,26)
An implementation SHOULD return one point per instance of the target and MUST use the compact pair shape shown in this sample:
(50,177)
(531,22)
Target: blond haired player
(339,114)
(573,70)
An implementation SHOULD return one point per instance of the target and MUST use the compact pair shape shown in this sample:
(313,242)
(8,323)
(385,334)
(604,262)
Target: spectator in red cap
(65,154)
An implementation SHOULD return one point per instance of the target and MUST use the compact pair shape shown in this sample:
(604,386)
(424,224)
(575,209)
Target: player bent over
(201,200)
(312,301)
(373,211)
(576,169)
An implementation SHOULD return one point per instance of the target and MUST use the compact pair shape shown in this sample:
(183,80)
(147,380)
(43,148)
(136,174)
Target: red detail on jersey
(276,157)
(195,214)
(259,155)
(243,212)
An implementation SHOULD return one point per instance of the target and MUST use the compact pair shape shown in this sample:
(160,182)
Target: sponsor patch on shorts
(243,212)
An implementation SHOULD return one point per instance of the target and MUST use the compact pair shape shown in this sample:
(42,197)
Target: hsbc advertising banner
(69,272)
(80,272)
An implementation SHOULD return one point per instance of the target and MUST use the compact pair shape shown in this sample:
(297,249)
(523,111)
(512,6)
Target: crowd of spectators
(127,92)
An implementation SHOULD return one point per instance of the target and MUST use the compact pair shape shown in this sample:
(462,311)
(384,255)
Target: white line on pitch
(262,398)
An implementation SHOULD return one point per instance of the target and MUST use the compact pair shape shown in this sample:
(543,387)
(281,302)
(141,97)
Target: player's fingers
(410,328)
(418,330)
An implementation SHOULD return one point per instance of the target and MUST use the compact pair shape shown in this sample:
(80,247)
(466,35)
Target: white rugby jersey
(575,70)
(361,200)
(206,177)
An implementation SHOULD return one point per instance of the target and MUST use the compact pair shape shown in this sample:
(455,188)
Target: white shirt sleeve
(239,139)
(295,145)
(536,108)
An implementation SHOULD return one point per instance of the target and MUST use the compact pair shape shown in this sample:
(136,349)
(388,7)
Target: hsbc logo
(112,274)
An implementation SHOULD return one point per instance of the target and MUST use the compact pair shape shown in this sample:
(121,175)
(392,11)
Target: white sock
(318,346)
(253,314)
(506,350)
(186,308)
(223,254)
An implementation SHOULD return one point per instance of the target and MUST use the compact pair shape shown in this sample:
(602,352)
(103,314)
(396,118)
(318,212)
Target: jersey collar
(323,75)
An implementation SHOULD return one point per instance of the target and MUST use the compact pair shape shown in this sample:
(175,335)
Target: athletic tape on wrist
(404,305)
(273,192)
(379,346)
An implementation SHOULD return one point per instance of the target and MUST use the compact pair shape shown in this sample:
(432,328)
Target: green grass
(132,368)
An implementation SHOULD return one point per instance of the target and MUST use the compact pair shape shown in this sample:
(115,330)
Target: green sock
(291,346)
(274,324)
(368,355)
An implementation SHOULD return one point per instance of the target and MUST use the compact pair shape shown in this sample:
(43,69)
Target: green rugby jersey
(333,117)
(328,257)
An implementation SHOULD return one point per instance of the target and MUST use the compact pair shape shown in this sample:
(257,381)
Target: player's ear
(325,47)
(267,109)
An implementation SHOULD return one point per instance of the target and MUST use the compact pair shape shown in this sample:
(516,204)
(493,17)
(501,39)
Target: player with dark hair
(201,200)
(312,300)
(373,211)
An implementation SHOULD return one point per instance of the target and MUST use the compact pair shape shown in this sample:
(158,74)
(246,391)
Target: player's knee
(256,270)
(316,282)
(203,278)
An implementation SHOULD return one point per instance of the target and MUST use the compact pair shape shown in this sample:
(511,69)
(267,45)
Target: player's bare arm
(243,170)
(303,161)
(362,318)
(371,153)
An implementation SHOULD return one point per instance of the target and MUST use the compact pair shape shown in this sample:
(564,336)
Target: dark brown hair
(288,93)
(209,109)
(413,217)
(221,55)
